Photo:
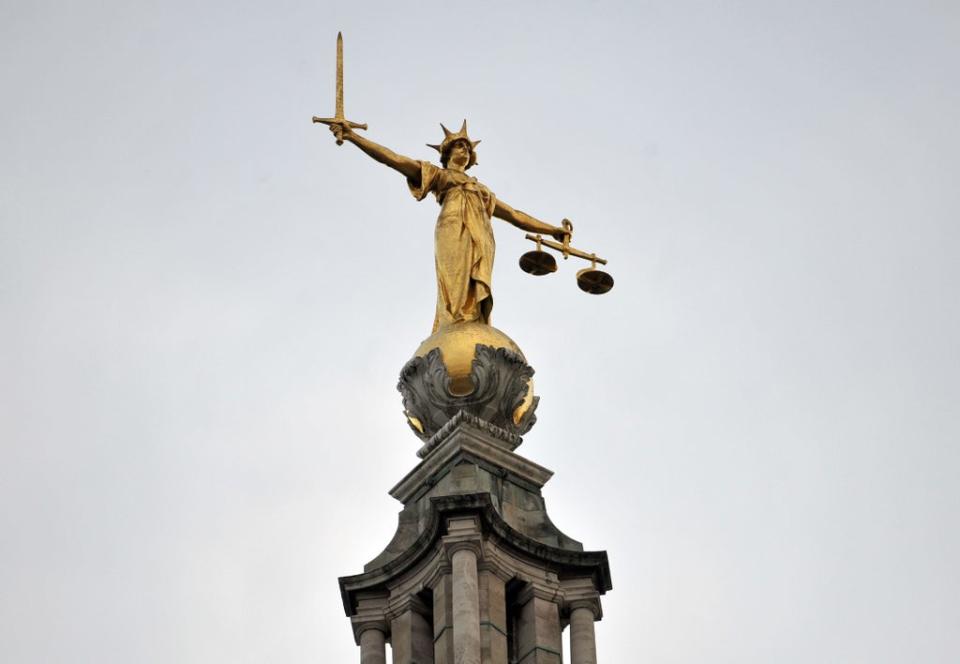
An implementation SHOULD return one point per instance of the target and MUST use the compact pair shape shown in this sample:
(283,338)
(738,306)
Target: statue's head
(455,145)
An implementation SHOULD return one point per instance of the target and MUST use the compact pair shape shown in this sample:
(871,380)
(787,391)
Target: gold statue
(464,236)
(484,371)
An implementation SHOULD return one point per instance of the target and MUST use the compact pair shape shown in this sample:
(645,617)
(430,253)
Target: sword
(339,118)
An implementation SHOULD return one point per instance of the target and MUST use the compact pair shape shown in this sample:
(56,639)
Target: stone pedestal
(476,573)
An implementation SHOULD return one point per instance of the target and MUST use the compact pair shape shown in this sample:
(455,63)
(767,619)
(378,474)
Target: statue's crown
(450,137)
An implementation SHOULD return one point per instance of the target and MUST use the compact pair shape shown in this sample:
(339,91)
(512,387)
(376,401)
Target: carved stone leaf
(500,380)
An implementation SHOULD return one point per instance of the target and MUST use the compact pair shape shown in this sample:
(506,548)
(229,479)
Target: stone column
(373,648)
(583,642)
(370,628)
(493,617)
(582,606)
(442,618)
(538,627)
(463,548)
(411,634)
(466,605)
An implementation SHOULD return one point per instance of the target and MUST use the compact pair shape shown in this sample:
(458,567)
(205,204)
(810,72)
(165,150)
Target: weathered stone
(443,620)
(500,380)
(466,607)
(583,645)
(411,632)
(476,550)
(538,629)
(470,461)
(493,619)
(373,647)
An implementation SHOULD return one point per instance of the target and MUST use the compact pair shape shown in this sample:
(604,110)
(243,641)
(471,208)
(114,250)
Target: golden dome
(457,344)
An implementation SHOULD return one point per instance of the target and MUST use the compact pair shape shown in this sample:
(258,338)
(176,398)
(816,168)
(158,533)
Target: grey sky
(205,304)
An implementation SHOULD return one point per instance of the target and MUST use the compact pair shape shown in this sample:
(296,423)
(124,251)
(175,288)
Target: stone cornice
(508,440)
(466,443)
(591,565)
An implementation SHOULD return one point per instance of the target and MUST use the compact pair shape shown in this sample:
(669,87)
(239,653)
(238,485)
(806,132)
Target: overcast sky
(205,303)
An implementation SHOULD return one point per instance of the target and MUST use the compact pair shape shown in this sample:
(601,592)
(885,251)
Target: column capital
(408,602)
(592,605)
(463,532)
(453,543)
(441,570)
(581,594)
(493,562)
(371,614)
(493,566)
(361,625)
(531,590)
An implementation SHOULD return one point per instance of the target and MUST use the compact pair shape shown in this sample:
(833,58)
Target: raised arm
(528,223)
(409,167)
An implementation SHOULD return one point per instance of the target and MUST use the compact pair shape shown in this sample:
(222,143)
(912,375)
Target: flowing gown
(464,244)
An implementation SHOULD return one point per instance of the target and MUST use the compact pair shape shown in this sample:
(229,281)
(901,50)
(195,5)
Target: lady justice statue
(464,251)
(464,235)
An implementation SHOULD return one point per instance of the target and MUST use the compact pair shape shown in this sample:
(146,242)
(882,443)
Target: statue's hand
(342,132)
(563,232)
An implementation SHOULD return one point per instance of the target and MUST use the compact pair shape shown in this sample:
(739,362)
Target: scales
(539,262)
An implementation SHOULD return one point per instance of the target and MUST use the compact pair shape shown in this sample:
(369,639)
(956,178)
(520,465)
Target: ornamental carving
(500,380)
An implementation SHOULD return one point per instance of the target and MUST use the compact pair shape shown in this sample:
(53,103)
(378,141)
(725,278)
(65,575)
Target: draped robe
(464,244)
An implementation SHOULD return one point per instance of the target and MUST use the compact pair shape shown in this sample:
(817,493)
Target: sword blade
(339,112)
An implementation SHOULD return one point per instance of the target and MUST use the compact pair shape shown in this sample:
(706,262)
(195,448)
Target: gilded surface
(338,116)
(498,390)
(464,249)
(457,344)
(464,243)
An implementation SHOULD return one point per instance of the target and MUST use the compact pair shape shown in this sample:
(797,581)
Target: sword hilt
(342,122)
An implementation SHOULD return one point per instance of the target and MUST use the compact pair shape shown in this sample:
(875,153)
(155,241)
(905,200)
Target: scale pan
(593,281)
(538,263)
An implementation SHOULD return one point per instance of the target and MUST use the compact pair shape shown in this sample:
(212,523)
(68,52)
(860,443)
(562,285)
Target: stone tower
(476,573)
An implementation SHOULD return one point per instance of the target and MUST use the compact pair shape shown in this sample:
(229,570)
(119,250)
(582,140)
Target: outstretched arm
(409,167)
(528,223)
